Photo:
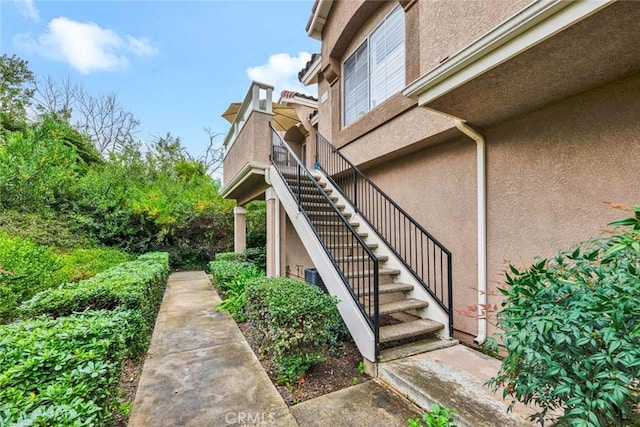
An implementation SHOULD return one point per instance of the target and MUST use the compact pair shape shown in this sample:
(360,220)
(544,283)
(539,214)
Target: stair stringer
(349,310)
(433,311)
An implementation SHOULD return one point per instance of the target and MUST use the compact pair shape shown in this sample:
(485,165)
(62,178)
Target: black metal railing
(420,252)
(349,254)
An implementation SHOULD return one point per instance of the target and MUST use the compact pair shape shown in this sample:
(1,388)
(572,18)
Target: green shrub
(79,264)
(231,256)
(224,272)
(44,229)
(236,300)
(63,371)
(296,323)
(572,331)
(257,257)
(137,285)
(25,269)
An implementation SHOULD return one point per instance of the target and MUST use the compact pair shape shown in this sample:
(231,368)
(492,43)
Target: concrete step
(455,377)
(306,184)
(335,223)
(361,258)
(404,305)
(369,273)
(371,246)
(391,288)
(316,197)
(314,206)
(321,214)
(415,347)
(405,330)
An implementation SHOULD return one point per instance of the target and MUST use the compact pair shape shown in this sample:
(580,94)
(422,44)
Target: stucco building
(449,138)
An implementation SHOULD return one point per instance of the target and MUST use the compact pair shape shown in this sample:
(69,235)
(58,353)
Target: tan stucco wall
(437,187)
(468,20)
(548,176)
(294,252)
(564,161)
(252,145)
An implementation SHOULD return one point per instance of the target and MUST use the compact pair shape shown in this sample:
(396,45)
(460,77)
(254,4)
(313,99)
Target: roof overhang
(549,51)
(247,184)
(310,75)
(318,18)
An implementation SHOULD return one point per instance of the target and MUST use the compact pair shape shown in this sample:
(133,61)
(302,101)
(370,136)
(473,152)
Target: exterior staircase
(394,307)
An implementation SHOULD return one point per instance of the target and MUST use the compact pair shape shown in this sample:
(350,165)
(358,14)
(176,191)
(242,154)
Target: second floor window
(375,71)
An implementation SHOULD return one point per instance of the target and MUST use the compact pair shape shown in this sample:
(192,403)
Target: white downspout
(482,227)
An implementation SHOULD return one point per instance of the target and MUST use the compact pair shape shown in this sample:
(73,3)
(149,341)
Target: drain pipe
(482,227)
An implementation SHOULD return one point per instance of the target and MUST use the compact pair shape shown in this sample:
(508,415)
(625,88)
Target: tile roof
(292,94)
(302,72)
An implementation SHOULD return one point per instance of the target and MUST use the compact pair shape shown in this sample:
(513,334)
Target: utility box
(312,277)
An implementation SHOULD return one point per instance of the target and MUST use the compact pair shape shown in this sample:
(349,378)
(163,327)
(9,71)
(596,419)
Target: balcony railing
(259,97)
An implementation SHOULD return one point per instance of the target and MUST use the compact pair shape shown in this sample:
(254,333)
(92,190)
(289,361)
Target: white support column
(273,233)
(239,229)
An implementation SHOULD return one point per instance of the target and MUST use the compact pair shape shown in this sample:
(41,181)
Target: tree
(214,154)
(16,88)
(107,123)
(56,99)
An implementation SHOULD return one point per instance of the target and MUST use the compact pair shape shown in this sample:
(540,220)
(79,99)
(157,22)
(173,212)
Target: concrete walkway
(200,372)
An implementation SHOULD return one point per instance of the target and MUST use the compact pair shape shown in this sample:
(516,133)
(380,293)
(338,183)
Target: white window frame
(367,41)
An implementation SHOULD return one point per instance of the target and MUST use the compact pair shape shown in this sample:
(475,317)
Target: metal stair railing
(349,254)
(427,259)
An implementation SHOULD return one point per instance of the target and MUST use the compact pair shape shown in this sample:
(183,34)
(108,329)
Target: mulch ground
(339,371)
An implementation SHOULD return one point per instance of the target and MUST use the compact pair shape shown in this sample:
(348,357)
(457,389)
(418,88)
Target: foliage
(572,330)
(224,272)
(231,256)
(257,257)
(438,416)
(295,323)
(36,169)
(45,229)
(137,285)
(80,264)
(16,88)
(235,297)
(139,201)
(62,371)
(256,224)
(25,269)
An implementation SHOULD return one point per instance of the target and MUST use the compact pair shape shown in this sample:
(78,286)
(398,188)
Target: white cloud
(281,71)
(28,9)
(86,46)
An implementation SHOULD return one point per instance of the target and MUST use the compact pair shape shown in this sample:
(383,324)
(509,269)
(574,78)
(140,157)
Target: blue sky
(176,65)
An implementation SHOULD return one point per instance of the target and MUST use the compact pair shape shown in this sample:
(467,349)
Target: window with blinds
(375,71)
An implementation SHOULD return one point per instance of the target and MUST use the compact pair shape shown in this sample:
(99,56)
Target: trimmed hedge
(63,368)
(25,269)
(138,285)
(63,371)
(231,256)
(295,323)
(224,272)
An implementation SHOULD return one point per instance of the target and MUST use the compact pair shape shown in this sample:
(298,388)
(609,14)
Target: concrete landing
(454,377)
(365,405)
(199,369)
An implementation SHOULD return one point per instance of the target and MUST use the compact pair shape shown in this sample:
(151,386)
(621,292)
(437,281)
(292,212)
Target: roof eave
(532,25)
(319,18)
